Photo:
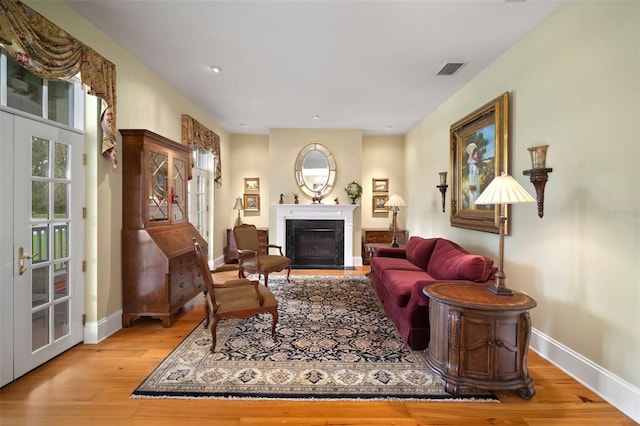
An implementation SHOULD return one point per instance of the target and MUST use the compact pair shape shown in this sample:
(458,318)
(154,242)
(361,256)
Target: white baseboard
(217,261)
(622,395)
(95,332)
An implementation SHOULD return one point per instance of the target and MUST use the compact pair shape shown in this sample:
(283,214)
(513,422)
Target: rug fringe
(256,398)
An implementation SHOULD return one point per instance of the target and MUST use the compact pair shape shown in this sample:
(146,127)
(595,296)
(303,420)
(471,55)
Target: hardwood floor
(91,384)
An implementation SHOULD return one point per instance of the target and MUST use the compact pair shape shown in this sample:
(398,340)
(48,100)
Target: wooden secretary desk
(160,271)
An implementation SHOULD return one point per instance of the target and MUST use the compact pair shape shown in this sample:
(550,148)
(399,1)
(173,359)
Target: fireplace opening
(315,244)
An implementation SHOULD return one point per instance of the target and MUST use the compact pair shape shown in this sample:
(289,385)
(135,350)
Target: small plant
(354,191)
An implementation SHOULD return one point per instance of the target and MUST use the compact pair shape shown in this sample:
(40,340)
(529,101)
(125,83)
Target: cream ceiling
(367,65)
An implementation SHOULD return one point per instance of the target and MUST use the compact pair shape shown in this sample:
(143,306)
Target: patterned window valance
(49,52)
(195,134)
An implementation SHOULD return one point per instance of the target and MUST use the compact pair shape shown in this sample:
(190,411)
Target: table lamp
(394,203)
(238,206)
(503,190)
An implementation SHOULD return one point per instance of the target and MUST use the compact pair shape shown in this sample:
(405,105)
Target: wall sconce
(539,174)
(443,187)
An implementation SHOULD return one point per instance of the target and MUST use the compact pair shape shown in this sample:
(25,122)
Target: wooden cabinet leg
(527,393)
(451,388)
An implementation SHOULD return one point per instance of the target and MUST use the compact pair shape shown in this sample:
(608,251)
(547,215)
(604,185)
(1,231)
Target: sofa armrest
(391,252)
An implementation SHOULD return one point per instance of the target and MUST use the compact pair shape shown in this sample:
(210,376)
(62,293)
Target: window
(56,100)
(198,192)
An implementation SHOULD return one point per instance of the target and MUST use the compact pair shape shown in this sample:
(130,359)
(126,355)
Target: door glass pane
(179,200)
(158,187)
(61,166)
(61,200)
(24,90)
(40,157)
(61,319)
(61,102)
(39,286)
(60,280)
(61,241)
(39,200)
(39,329)
(39,243)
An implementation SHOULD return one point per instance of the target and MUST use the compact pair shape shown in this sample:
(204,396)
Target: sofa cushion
(418,250)
(400,283)
(379,264)
(452,262)
(391,252)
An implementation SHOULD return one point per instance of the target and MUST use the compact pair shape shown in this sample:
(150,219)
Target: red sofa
(400,275)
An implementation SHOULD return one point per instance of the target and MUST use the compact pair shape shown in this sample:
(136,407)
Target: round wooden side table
(479,339)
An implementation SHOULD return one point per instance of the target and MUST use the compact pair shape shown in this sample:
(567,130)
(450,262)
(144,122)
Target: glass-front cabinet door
(166,187)
(158,184)
(179,193)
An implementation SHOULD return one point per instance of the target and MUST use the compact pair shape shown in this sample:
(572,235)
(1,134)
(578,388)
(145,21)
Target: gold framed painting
(479,152)
(380,185)
(251,184)
(378,202)
(251,202)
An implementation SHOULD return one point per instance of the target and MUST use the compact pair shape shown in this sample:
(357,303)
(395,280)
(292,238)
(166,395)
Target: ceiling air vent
(449,68)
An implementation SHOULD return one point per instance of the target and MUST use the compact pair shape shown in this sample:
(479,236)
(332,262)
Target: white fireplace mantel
(317,212)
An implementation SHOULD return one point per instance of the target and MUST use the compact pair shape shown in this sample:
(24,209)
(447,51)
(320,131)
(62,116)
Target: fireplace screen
(315,243)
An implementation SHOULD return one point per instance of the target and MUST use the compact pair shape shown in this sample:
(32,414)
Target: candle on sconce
(538,156)
(443,186)
(443,178)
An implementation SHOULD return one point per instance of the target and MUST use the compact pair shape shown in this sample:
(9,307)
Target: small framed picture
(378,203)
(252,184)
(380,185)
(251,202)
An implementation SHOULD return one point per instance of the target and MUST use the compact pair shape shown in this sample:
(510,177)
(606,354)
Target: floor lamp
(503,190)
(238,206)
(394,203)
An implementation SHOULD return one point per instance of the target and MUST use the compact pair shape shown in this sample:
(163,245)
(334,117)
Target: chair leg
(274,314)
(214,326)
(206,309)
(266,279)
(289,272)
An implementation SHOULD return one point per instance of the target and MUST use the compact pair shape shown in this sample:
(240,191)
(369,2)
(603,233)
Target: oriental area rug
(334,342)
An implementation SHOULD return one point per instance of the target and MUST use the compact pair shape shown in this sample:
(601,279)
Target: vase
(538,156)
(353,201)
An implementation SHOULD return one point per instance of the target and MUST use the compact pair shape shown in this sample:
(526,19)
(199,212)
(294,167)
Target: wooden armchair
(251,260)
(233,298)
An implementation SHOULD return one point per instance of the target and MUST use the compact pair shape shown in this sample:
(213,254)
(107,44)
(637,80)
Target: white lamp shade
(395,201)
(238,205)
(504,189)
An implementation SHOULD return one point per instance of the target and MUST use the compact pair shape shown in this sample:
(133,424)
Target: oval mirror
(315,170)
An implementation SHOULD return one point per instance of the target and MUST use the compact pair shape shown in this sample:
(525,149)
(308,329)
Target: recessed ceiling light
(215,69)
(243,124)
(388,127)
(316,117)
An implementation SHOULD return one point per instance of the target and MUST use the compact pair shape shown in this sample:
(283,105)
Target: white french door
(42,294)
